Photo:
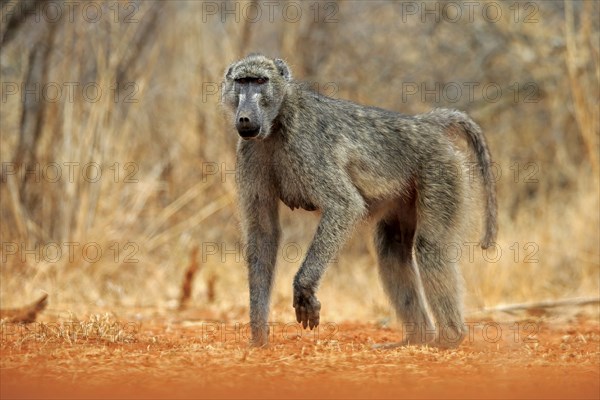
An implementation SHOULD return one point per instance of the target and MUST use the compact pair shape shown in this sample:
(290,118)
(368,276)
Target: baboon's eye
(244,81)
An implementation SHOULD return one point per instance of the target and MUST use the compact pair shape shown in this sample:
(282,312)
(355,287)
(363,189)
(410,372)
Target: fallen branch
(581,301)
(25,314)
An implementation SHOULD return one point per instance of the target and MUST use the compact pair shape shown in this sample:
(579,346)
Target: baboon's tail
(479,145)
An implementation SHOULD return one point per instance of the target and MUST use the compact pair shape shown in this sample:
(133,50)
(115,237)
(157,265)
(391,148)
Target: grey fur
(351,162)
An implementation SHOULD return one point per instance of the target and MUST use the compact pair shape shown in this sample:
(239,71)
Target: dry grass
(153,357)
(174,136)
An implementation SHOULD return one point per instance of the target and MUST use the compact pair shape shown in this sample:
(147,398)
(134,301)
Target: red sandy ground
(160,358)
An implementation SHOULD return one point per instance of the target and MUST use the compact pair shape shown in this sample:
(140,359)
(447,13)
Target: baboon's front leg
(262,241)
(335,227)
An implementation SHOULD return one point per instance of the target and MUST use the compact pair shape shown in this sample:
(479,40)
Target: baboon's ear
(229,71)
(283,69)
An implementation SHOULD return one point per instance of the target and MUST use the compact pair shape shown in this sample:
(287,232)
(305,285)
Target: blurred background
(118,160)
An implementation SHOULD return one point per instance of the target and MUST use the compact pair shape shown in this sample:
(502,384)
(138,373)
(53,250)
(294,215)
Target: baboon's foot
(446,340)
(445,345)
(260,335)
(307,307)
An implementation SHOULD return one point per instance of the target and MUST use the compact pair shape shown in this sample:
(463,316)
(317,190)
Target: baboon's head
(254,90)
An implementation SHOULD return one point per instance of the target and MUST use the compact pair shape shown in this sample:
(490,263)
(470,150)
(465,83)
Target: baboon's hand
(307,307)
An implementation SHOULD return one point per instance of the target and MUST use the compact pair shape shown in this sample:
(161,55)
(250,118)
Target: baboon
(351,162)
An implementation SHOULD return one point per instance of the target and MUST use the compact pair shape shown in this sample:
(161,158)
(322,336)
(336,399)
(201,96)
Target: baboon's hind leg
(394,238)
(440,275)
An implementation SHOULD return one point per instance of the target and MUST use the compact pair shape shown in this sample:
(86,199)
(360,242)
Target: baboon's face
(254,90)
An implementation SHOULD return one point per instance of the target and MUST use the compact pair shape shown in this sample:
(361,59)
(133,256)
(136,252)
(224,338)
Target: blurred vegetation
(144,78)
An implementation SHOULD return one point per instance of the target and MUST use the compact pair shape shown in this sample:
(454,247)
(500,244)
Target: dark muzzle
(246,127)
